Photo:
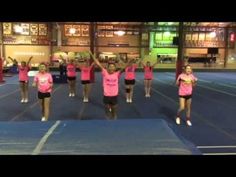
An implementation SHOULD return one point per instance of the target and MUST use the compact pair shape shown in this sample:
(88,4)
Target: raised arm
(126,64)
(3,60)
(154,64)
(29,60)
(141,62)
(11,59)
(92,64)
(138,60)
(96,61)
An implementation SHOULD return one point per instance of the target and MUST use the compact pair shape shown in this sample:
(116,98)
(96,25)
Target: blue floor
(100,137)
(213,107)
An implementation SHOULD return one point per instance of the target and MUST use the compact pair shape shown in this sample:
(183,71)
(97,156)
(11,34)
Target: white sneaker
(127,100)
(189,123)
(73,95)
(43,119)
(130,100)
(146,95)
(70,95)
(85,100)
(26,100)
(177,120)
(22,101)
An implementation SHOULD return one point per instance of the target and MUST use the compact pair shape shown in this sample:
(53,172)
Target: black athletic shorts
(129,82)
(23,82)
(112,100)
(71,78)
(85,82)
(185,96)
(43,95)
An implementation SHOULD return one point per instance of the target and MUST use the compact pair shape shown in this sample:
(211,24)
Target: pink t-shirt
(110,83)
(148,72)
(71,70)
(186,84)
(43,81)
(85,73)
(130,72)
(23,73)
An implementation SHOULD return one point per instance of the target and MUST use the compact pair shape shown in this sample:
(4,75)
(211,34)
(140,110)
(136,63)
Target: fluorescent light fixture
(213,34)
(72,30)
(119,33)
(167,33)
(18,29)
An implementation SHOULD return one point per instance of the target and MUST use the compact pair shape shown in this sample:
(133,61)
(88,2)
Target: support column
(92,41)
(179,62)
(226,46)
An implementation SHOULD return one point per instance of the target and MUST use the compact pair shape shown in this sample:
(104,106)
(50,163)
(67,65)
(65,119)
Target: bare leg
(41,102)
(149,83)
(181,106)
(107,111)
(188,107)
(26,91)
(145,87)
(22,90)
(131,92)
(114,112)
(84,91)
(88,89)
(46,107)
(127,94)
(73,86)
(70,86)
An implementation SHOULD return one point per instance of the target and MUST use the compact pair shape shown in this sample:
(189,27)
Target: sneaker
(130,100)
(177,120)
(189,123)
(26,100)
(146,95)
(43,119)
(70,95)
(73,95)
(85,100)
(22,101)
(127,100)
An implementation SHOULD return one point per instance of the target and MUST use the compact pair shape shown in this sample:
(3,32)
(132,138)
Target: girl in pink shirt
(43,80)
(23,69)
(148,76)
(86,78)
(110,87)
(71,77)
(130,81)
(185,81)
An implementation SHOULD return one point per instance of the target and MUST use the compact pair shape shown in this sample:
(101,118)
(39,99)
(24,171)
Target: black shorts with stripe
(111,100)
(185,96)
(71,78)
(44,95)
(85,82)
(130,82)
